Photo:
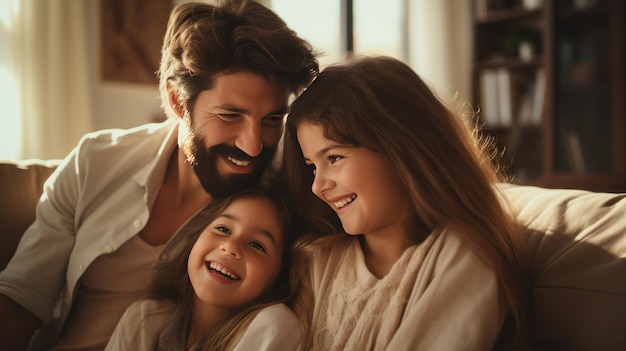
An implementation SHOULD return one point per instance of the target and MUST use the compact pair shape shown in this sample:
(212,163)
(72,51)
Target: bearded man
(112,208)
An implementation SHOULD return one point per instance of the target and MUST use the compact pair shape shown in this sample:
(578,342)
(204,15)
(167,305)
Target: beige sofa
(20,187)
(578,244)
(577,239)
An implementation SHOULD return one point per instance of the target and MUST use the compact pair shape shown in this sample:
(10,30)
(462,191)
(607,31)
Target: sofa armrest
(21,185)
(577,242)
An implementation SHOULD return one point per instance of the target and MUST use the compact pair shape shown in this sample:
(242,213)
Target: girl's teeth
(223,270)
(342,203)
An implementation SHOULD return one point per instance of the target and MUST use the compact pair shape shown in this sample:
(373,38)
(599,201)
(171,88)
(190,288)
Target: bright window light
(10,133)
(319,23)
(379,27)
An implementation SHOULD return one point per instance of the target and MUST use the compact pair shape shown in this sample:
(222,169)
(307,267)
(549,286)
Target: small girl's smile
(238,255)
(226,273)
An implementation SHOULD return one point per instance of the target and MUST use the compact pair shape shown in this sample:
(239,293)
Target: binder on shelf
(531,4)
(505,97)
(508,98)
(538,96)
(525,109)
(574,152)
(489,109)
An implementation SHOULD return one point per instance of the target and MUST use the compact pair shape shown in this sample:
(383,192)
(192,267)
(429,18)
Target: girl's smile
(221,271)
(344,202)
(238,255)
(359,184)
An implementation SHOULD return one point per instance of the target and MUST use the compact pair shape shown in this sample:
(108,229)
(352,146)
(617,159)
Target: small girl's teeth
(223,270)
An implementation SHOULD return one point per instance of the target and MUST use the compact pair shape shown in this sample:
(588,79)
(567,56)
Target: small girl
(223,290)
(431,259)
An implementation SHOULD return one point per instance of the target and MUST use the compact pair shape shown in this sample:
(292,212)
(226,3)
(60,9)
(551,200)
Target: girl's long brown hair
(379,103)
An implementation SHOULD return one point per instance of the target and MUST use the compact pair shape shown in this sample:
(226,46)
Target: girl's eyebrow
(263,232)
(323,151)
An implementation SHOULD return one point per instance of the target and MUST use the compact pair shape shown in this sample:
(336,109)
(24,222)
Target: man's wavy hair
(203,41)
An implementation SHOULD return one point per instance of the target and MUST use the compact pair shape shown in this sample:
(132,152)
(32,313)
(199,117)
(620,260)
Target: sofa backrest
(577,241)
(21,185)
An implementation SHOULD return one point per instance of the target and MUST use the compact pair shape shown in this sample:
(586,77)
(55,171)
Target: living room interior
(98,82)
(546,79)
(557,114)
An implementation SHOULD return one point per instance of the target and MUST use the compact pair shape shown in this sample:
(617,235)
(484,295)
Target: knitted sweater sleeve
(455,304)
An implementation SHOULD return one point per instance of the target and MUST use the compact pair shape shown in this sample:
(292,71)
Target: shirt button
(163,257)
(137,223)
(108,248)
(80,268)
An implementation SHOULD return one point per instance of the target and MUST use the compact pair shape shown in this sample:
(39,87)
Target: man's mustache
(233,151)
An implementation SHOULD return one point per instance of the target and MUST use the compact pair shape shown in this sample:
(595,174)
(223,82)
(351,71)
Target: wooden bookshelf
(548,79)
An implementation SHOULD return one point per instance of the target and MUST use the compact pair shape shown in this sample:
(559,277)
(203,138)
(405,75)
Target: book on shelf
(525,110)
(489,108)
(532,99)
(539,92)
(509,97)
(498,97)
(531,4)
(574,152)
(505,97)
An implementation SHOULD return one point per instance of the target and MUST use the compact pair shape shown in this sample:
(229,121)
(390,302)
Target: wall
(440,45)
(116,104)
(438,50)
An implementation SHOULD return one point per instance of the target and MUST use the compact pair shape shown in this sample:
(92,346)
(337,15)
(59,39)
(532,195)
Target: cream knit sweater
(438,296)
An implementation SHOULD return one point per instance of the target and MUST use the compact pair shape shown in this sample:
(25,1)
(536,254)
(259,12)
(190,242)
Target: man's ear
(172,100)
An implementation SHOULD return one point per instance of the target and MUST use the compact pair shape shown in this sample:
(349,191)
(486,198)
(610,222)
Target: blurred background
(72,66)
(547,77)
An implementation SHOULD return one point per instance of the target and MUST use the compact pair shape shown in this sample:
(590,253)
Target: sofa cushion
(21,184)
(577,241)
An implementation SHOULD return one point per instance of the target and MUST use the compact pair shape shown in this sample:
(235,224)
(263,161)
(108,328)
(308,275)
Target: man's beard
(220,186)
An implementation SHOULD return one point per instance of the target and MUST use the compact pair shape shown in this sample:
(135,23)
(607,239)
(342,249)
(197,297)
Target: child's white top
(274,328)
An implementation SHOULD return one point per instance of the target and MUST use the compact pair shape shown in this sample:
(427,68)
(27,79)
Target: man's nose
(250,139)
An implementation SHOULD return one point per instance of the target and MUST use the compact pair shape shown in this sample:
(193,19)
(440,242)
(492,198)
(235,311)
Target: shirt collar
(152,174)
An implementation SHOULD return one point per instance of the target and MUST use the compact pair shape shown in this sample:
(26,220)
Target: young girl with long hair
(432,260)
(223,289)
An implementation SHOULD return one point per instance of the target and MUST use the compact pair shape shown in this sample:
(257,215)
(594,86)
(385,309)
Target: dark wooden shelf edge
(593,182)
(508,62)
(507,14)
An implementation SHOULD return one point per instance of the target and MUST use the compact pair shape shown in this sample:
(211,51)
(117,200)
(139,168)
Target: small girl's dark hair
(171,280)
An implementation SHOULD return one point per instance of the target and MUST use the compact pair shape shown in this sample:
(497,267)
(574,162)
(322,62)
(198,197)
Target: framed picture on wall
(131,36)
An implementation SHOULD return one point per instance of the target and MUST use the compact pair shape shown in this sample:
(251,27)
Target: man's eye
(258,246)
(223,229)
(273,120)
(228,116)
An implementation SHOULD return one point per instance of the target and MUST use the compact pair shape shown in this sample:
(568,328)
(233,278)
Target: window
(339,27)
(380,29)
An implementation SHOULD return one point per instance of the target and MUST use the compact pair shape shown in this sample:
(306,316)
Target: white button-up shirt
(96,200)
